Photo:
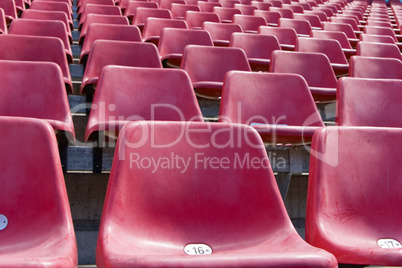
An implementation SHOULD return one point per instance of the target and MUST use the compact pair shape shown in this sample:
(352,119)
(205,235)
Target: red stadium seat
(108,32)
(382,50)
(43,28)
(314,20)
(343,27)
(81,4)
(208,6)
(321,14)
(144,94)
(132,6)
(353,194)
(123,53)
(221,32)
(167,4)
(246,9)
(269,103)
(258,48)
(207,67)
(226,13)
(302,27)
(173,42)
(285,12)
(375,67)
(195,19)
(286,36)
(376,38)
(36,48)
(340,37)
(369,102)
(54,6)
(161,216)
(154,26)
(249,23)
(3,23)
(314,67)
(97,9)
(263,6)
(295,8)
(179,10)
(10,11)
(36,227)
(142,13)
(330,47)
(271,17)
(229,3)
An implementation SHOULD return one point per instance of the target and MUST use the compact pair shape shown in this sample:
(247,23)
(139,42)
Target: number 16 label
(197,249)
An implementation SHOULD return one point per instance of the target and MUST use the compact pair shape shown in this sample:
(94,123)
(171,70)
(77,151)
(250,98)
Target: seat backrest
(263,6)
(343,27)
(285,35)
(249,22)
(98,9)
(377,30)
(168,3)
(226,13)
(285,12)
(382,50)
(330,47)
(376,38)
(46,15)
(267,98)
(144,94)
(208,6)
(302,27)
(154,26)
(221,31)
(312,18)
(10,11)
(179,10)
(3,23)
(271,17)
(314,67)
(349,21)
(336,35)
(246,9)
(375,67)
(321,15)
(255,45)
(132,6)
(32,177)
(229,3)
(142,13)
(123,53)
(294,8)
(204,63)
(369,102)
(53,6)
(195,19)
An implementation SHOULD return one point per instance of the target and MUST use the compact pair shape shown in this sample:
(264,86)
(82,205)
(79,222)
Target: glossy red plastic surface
(53,6)
(375,67)
(33,197)
(9,9)
(179,10)
(108,32)
(376,38)
(221,32)
(249,23)
(142,13)
(123,53)
(130,94)
(382,50)
(97,9)
(313,19)
(132,6)
(3,23)
(258,48)
(173,42)
(314,67)
(271,17)
(195,19)
(354,194)
(270,101)
(36,48)
(286,36)
(226,13)
(302,27)
(208,6)
(207,67)
(154,26)
(150,215)
(369,102)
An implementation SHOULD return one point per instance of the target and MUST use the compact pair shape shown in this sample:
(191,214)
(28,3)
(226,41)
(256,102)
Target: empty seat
(108,32)
(98,18)
(123,53)
(154,26)
(321,14)
(353,194)
(374,67)
(221,32)
(258,48)
(246,9)
(132,6)
(195,19)
(263,6)
(270,102)
(249,23)
(302,27)
(207,67)
(369,102)
(97,9)
(142,13)
(294,7)
(285,12)
(376,38)
(36,223)
(81,3)
(168,3)
(340,37)
(286,36)
(143,94)
(229,3)
(173,42)
(224,213)
(381,31)
(330,47)
(383,50)
(179,10)
(226,13)
(349,21)
(36,48)
(314,20)
(43,28)
(208,6)
(343,27)
(10,11)
(54,6)
(3,23)
(271,17)
(314,67)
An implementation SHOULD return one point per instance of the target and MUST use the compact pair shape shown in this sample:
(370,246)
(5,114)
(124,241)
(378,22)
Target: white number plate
(197,249)
(3,222)
(389,243)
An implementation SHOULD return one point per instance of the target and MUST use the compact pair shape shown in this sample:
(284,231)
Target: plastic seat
(98,9)
(330,47)
(269,102)
(144,94)
(249,23)
(154,26)
(271,17)
(383,50)
(275,3)
(108,32)
(36,48)
(321,15)
(195,19)
(285,12)
(342,27)
(286,36)
(3,23)
(10,11)
(226,13)
(32,178)
(104,19)
(353,195)
(349,21)
(369,102)
(167,4)
(314,67)
(207,67)
(179,10)
(221,32)
(295,8)
(82,3)
(340,37)
(208,6)
(381,31)
(246,9)
(132,6)
(302,27)
(173,42)
(211,210)
(49,15)
(123,4)
(54,6)
(326,10)
(376,38)
(43,28)
(229,3)
(123,53)
(314,20)
(263,6)
(373,67)
(142,13)
(258,48)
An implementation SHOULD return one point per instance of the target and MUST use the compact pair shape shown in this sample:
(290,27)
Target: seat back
(312,18)
(255,45)
(195,19)
(10,10)
(142,13)
(302,27)
(375,67)
(246,9)
(208,6)
(330,47)
(98,9)
(226,13)
(132,6)
(179,10)
(376,38)
(369,102)
(221,32)
(343,27)
(46,15)
(382,50)
(144,94)
(285,12)
(271,17)
(285,35)
(336,35)
(3,23)
(154,26)
(377,30)
(53,6)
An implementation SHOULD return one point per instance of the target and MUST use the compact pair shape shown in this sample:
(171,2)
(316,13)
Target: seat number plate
(389,243)
(197,249)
